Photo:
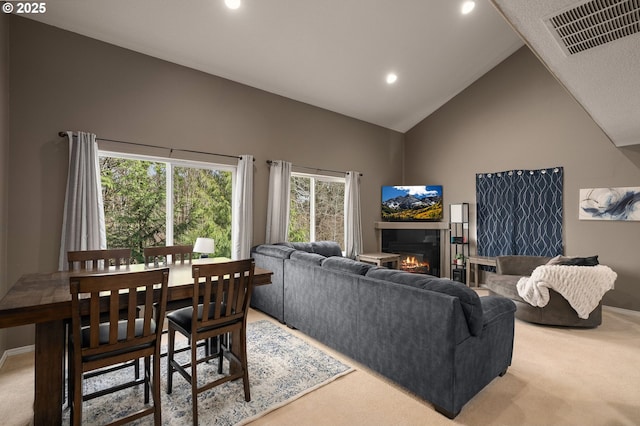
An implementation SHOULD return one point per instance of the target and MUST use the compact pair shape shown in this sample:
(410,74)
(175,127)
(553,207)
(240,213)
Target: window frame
(312,198)
(170,163)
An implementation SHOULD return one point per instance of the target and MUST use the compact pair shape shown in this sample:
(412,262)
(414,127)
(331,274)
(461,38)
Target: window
(154,202)
(317,208)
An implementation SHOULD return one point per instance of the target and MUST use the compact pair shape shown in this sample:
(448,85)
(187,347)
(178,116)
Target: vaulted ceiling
(336,54)
(593,48)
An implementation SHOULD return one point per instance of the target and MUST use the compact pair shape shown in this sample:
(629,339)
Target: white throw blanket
(582,286)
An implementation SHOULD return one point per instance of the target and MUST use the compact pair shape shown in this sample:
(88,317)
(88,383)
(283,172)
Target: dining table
(44,299)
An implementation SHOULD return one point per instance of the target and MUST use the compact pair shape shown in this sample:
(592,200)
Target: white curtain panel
(353,221)
(278,204)
(83,225)
(242,207)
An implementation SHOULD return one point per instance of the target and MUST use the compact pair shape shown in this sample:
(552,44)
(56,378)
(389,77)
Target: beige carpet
(558,377)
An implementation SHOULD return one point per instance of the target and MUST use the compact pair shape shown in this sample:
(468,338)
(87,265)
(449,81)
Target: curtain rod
(314,168)
(64,134)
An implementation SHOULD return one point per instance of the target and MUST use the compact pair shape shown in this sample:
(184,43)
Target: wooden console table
(477,260)
(380,259)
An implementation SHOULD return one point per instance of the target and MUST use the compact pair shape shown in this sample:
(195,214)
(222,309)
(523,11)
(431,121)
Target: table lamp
(204,246)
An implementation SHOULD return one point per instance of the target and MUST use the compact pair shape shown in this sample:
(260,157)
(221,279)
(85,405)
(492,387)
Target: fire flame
(410,263)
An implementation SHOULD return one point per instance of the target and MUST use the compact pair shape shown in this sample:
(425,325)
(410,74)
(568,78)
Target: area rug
(282,368)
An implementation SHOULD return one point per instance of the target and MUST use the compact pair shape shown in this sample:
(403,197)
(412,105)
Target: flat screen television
(412,203)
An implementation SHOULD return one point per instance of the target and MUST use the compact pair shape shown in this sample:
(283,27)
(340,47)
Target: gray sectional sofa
(433,336)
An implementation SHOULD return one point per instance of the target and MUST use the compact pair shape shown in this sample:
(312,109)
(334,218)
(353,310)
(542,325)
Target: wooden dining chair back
(170,254)
(86,260)
(156,256)
(105,343)
(98,259)
(221,297)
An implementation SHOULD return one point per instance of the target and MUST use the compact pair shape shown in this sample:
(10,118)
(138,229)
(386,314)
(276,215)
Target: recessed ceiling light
(232,4)
(391,78)
(468,6)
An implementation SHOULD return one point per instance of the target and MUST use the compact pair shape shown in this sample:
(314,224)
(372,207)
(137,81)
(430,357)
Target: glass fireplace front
(419,249)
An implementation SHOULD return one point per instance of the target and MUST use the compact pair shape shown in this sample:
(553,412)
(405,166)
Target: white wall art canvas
(610,203)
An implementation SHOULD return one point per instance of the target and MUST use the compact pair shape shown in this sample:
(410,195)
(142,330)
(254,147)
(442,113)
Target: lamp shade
(459,213)
(204,245)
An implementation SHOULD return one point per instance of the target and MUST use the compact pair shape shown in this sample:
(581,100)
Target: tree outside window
(135,193)
(317,209)
(202,207)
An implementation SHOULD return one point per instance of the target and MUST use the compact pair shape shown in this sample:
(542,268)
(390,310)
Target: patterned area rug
(282,368)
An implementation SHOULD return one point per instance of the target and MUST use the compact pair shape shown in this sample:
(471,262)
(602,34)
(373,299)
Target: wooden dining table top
(43,297)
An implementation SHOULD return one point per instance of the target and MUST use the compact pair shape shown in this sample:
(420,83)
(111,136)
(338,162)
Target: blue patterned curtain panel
(520,212)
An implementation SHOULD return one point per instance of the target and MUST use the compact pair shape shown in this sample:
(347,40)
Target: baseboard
(621,310)
(16,351)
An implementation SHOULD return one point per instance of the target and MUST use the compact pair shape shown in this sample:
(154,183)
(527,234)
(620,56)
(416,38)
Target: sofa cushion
(309,258)
(298,246)
(382,273)
(326,248)
(398,277)
(469,299)
(344,264)
(274,250)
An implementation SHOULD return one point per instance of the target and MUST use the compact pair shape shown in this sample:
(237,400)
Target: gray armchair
(509,269)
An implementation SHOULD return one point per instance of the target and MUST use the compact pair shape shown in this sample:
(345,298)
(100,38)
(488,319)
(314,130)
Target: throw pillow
(556,260)
(344,264)
(581,261)
(574,260)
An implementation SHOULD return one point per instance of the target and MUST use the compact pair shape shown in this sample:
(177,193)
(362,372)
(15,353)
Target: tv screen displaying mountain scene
(412,203)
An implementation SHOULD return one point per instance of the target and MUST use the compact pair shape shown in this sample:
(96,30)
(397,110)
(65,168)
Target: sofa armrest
(519,265)
(495,307)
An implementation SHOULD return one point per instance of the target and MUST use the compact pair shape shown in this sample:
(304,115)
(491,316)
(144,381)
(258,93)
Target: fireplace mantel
(412,225)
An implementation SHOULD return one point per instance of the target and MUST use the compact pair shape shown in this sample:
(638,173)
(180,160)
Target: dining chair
(219,309)
(114,341)
(156,256)
(170,254)
(95,259)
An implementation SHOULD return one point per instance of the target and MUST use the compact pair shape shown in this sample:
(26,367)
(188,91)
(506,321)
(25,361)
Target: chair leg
(69,360)
(70,384)
(147,378)
(194,381)
(170,351)
(77,398)
(245,365)
(157,410)
(219,348)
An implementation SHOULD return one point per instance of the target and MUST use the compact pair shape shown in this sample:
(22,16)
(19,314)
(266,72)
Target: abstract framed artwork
(610,204)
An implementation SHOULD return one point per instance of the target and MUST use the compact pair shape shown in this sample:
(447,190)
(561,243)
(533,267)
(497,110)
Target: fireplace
(421,245)
(419,249)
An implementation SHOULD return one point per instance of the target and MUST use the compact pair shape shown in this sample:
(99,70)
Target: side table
(478,260)
(380,259)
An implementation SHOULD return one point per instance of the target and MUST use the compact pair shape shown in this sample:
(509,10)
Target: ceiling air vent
(595,23)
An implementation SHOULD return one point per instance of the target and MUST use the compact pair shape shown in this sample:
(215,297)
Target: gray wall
(518,117)
(4,144)
(63,81)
